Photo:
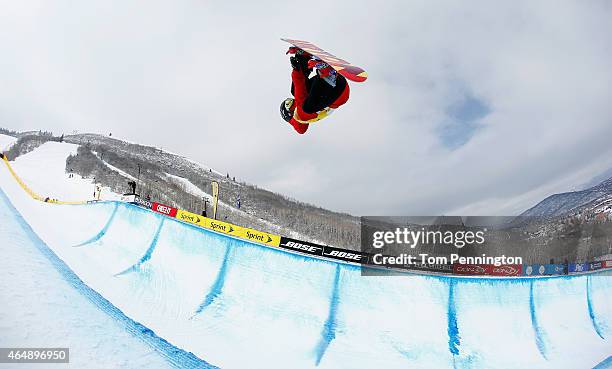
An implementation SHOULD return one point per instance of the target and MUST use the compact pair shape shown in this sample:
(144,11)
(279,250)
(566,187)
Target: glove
(300,63)
(295,63)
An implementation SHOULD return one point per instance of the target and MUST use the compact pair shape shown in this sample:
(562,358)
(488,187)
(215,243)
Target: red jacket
(300,95)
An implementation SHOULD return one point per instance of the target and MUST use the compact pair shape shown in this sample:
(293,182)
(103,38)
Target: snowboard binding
(306,62)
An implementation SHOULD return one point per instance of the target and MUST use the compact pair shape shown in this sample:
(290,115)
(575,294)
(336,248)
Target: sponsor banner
(607,264)
(578,267)
(469,269)
(595,265)
(128,198)
(554,269)
(301,246)
(488,269)
(437,268)
(144,203)
(190,217)
(223,227)
(261,237)
(345,255)
(534,269)
(164,209)
(543,269)
(508,270)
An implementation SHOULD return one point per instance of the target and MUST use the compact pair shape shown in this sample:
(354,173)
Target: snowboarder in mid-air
(316,97)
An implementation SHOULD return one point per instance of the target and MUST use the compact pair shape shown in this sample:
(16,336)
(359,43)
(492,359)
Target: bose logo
(344,255)
(302,247)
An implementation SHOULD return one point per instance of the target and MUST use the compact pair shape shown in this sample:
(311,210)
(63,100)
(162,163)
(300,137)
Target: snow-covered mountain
(570,202)
(177,181)
(181,182)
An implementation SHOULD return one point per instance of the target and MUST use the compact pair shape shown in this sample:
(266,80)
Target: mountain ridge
(560,204)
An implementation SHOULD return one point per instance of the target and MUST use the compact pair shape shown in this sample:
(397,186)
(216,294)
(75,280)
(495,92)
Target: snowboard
(343,67)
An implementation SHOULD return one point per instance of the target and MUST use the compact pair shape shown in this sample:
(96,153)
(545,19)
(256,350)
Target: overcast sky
(471,107)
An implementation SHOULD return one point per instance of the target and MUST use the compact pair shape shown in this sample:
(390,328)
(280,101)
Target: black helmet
(286,109)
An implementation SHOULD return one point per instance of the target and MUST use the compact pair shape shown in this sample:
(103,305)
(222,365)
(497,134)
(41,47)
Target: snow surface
(189,187)
(6,142)
(44,171)
(236,305)
(40,308)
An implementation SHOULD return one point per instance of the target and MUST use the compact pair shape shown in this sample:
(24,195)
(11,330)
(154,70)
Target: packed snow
(234,304)
(40,308)
(44,171)
(189,187)
(6,142)
(213,295)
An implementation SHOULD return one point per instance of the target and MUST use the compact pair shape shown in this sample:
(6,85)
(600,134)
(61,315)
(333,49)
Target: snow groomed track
(238,304)
(66,312)
(234,303)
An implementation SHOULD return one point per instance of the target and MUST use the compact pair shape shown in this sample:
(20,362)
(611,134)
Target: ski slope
(44,170)
(234,304)
(6,142)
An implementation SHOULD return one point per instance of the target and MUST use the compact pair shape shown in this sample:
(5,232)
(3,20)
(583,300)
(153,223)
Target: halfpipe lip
(357,265)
